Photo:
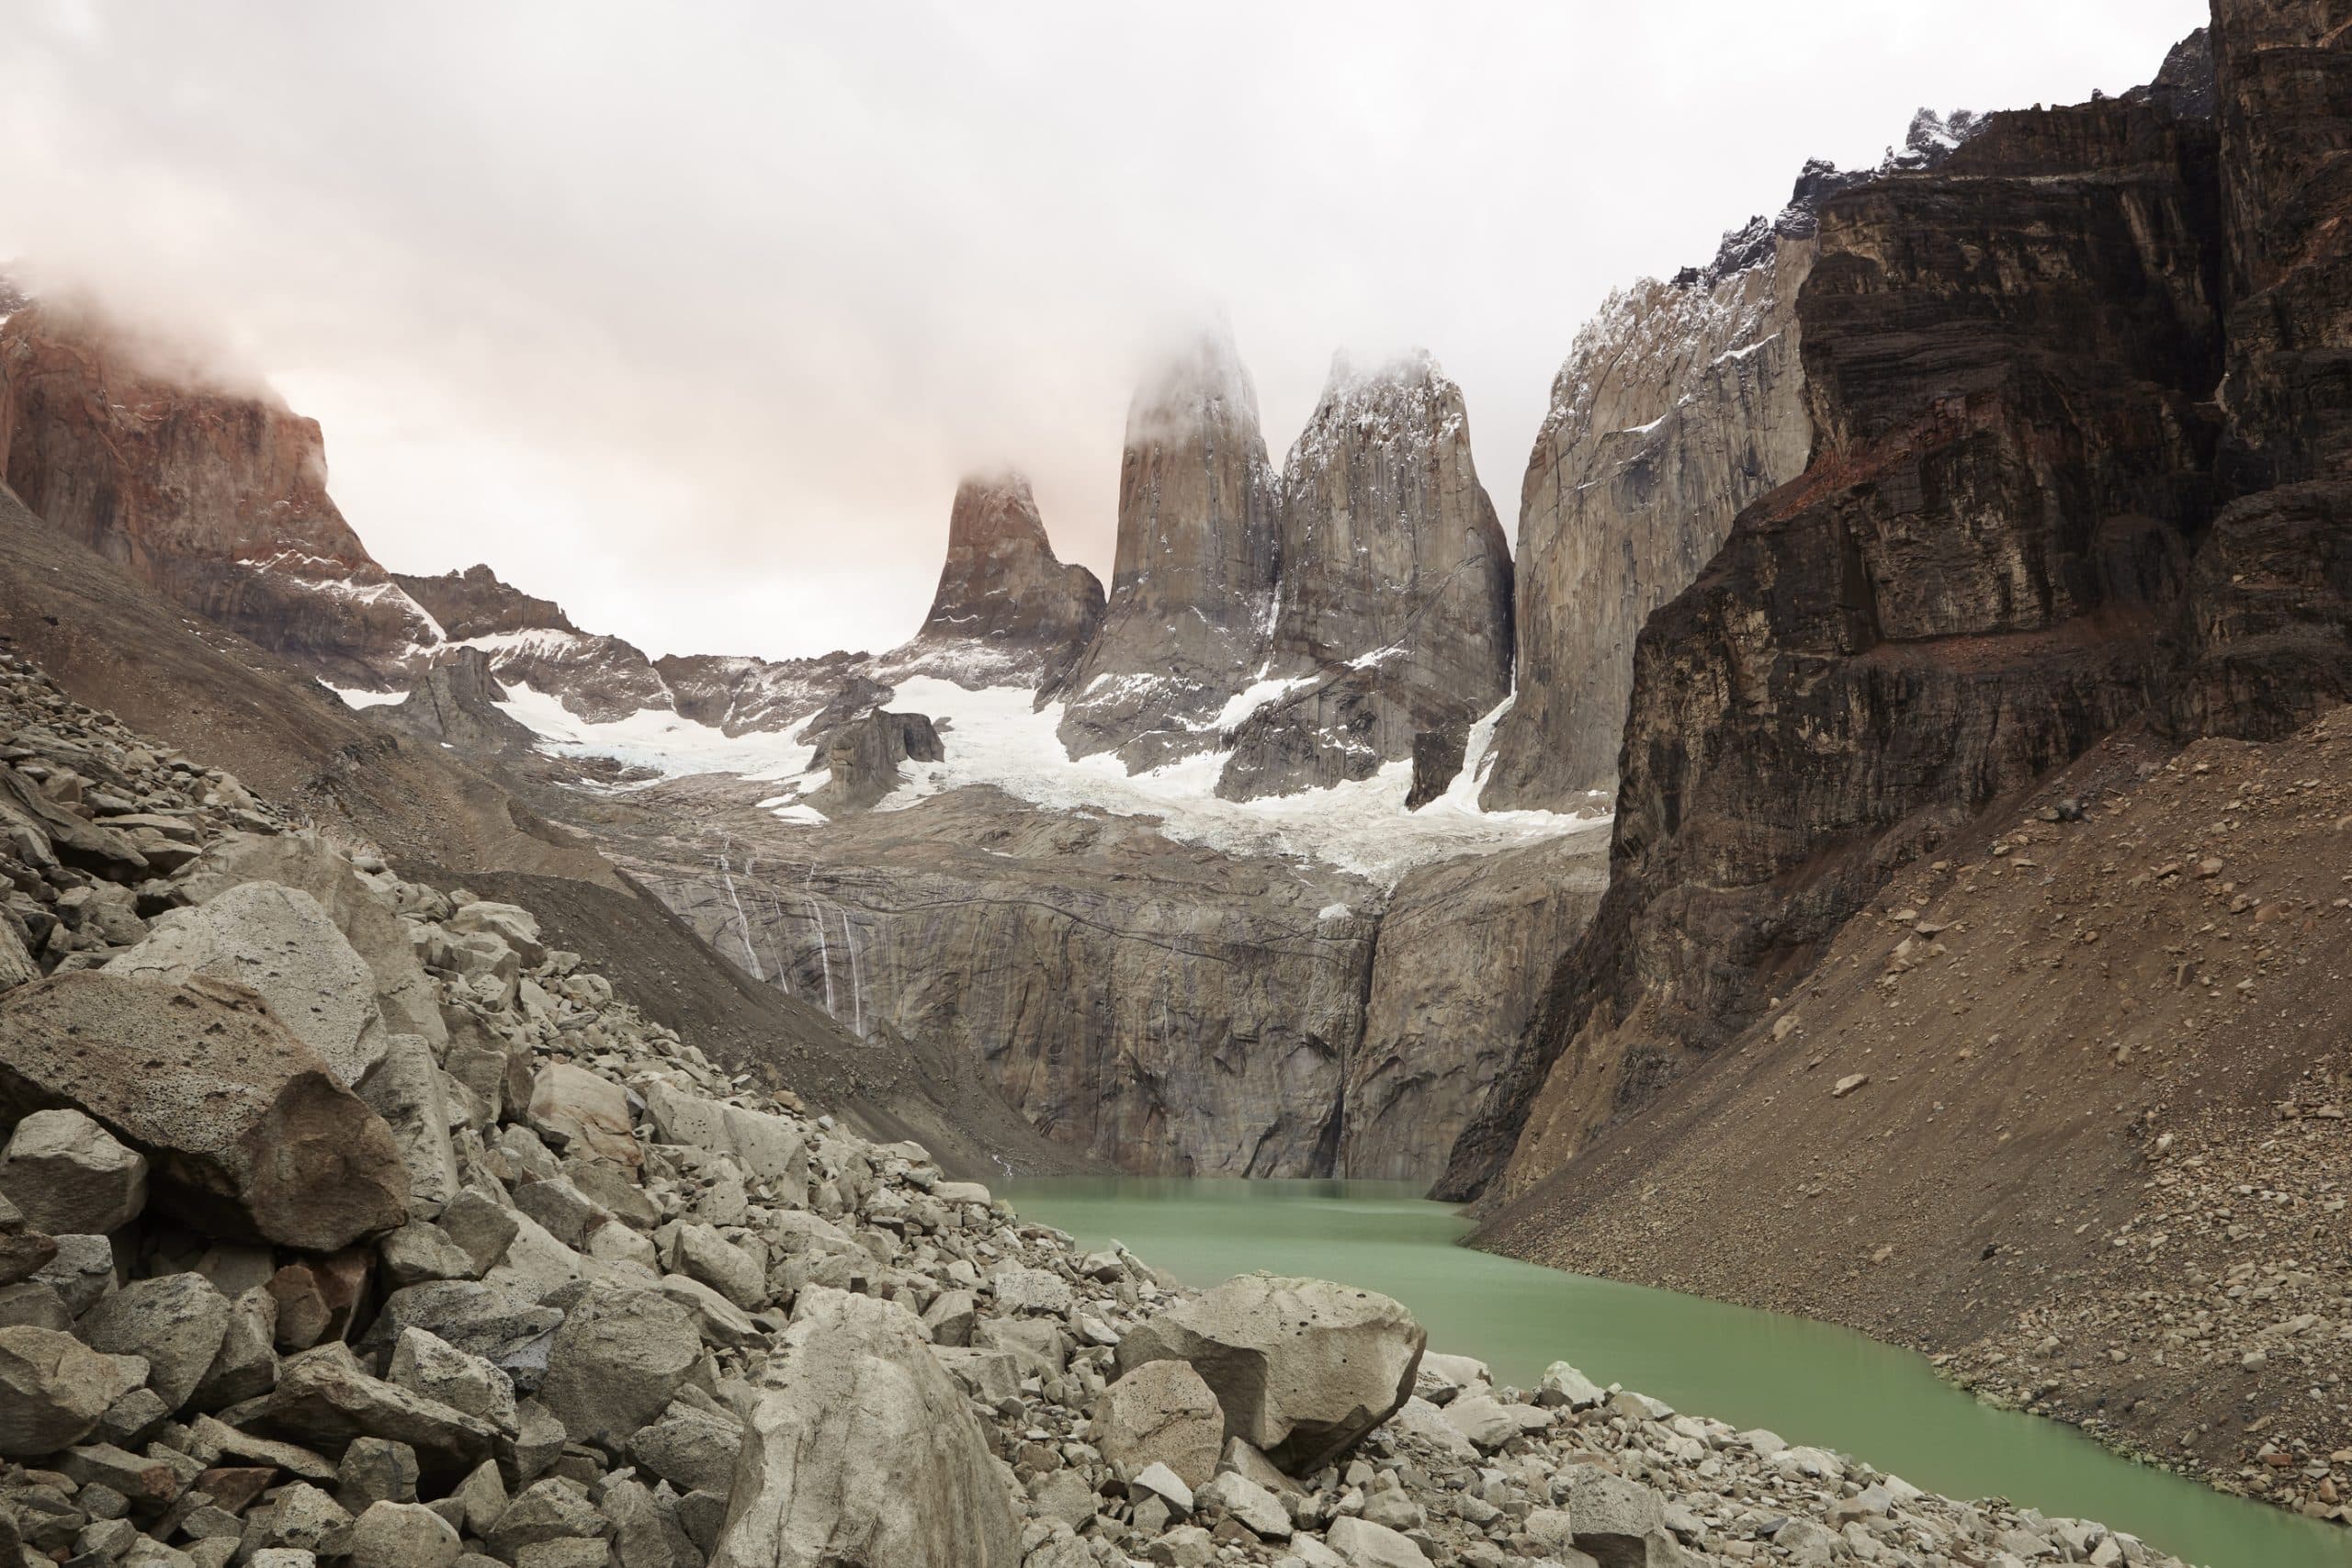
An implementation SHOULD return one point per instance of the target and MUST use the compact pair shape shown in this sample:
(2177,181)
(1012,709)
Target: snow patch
(354,697)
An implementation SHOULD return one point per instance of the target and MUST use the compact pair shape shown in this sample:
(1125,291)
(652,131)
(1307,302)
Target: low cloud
(692,318)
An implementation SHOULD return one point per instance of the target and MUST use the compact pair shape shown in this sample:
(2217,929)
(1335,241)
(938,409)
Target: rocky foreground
(342,1218)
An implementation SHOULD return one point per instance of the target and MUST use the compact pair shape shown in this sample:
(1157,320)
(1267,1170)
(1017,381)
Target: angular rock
(589,1111)
(403,1535)
(404,1089)
(1362,1544)
(307,861)
(248,1135)
(619,1358)
(438,1370)
(1301,1368)
(514,1335)
(279,943)
(54,1389)
(692,1449)
(177,1322)
(324,1399)
(1161,1412)
(862,1450)
(65,1174)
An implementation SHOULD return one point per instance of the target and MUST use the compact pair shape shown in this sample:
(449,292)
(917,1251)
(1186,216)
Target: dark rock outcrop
(1391,617)
(215,496)
(455,703)
(2266,636)
(1193,590)
(866,757)
(474,602)
(2007,360)
(1006,612)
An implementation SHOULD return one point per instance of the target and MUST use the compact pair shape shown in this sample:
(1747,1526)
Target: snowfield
(995,736)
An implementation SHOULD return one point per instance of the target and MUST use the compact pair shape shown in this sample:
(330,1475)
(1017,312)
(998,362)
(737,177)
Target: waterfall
(857,988)
(824,953)
(743,925)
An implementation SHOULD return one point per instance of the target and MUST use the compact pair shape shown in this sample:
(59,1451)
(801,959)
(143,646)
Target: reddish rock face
(216,498)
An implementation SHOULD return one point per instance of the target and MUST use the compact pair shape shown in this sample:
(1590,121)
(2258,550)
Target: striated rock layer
(214,496)
(2267,636)
(1192,592)
(1391,617)
(2009,361)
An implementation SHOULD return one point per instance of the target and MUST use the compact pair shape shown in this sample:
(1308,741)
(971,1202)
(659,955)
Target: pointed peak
(1196,381)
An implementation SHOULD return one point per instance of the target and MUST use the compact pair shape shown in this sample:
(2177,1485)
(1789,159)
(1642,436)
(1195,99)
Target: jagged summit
(475,603)
(1007,611)
(1932,137)
(1392,619)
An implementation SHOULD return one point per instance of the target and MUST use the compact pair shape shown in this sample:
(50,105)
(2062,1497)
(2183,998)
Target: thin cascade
(856,987)
(743,924)
(824,949)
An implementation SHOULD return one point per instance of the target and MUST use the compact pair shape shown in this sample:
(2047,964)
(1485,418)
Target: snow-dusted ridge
(998,736)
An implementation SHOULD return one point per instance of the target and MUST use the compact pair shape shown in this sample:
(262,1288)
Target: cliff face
(1192,594)
(2005,361)
(1392,616)
(2267,636)
(1681,404)
(1006,612)
(1165,1008)
(216,498)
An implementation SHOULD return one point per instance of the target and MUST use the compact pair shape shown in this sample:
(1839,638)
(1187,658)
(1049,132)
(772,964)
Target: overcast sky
(690,316)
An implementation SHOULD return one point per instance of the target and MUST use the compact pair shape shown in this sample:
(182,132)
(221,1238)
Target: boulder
(54,1389)
(80,1272)
(324,1400)
(177,1322)
(428,1365)
(514,1335)
(67,1175)
(1303,1369)
(691,1448)
(305,860)
(622,1354)
(246,1366)
(1258,1508)
(1362,1544)
(1161,1412)
(588,1110)
(1615,1518)
(279,943)
(1489,1422)
(248,1134)
(861,1448)
(403,1535)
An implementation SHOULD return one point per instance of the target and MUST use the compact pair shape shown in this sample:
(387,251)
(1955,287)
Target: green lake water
(1808,1381)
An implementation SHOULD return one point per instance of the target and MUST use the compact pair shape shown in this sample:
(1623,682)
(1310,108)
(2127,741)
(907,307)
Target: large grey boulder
(279,943)
(369,922)
(54,1389)
(66,1174)
(249,1134)
(178,1322)
(620,1357)
(1362,1544)
(862,1450)
(1163,1413)
(1301,1368)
